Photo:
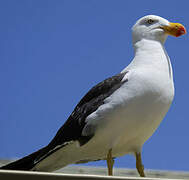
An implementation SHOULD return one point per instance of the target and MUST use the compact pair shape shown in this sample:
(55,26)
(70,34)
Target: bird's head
(156,28)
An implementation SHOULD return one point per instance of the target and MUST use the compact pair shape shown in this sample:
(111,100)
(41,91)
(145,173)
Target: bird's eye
(150,21)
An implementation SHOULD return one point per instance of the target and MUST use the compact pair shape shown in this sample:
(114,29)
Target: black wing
(72,129)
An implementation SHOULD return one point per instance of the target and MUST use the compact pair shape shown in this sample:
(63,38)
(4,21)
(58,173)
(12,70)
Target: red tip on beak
(175,29)
(181,31)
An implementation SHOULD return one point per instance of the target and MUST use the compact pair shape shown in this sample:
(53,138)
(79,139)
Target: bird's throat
(151,53)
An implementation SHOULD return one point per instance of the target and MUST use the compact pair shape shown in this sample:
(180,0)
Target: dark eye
(150,21)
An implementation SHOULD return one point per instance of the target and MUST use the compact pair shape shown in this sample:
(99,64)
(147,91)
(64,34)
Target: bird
(118,115)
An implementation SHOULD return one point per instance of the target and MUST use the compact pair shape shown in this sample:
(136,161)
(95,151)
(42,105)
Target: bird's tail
(27,162)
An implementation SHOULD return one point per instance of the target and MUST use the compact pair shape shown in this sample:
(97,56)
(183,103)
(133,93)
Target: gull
(119,114)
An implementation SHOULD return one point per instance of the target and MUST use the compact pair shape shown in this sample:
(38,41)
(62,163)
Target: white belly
(126,120)
(129,118)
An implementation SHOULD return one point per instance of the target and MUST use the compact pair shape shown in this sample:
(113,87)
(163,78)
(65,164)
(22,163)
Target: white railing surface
(124,172)
(91,173)
(29,175)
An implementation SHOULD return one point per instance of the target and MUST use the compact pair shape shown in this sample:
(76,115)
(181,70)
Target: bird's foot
(139,165)
(110,163)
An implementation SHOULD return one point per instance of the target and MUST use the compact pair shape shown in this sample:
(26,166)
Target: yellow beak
(174,29)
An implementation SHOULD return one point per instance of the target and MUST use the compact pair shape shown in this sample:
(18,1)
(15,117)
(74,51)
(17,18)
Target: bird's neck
(151,54)
(148,48)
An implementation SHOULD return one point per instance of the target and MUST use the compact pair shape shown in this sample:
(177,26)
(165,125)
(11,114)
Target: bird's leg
(110,162)
(139,164)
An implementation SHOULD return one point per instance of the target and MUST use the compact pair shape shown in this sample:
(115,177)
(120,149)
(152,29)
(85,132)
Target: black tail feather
(27,162)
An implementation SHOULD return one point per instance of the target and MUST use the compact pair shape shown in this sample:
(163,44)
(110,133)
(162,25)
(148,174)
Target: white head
(155,28)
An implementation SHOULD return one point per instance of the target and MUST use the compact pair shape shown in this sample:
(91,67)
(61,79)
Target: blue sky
(53,52)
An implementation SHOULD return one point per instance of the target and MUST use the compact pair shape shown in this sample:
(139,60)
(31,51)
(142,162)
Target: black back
(72,129)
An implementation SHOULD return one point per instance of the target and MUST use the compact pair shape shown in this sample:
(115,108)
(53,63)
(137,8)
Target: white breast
(150,99)
(134,111)
(131,115)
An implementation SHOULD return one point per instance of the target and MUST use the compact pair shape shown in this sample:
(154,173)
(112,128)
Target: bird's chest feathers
(145,87)
(138,106)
